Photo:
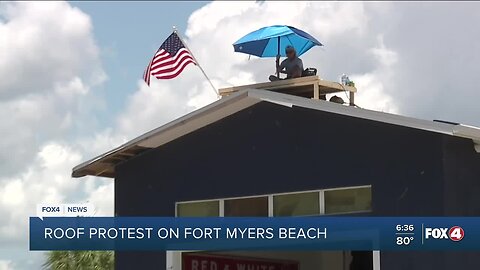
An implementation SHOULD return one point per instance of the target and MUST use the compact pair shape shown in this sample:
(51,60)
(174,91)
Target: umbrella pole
(278,57)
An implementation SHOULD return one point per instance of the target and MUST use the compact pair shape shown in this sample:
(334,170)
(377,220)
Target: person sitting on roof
(292,66)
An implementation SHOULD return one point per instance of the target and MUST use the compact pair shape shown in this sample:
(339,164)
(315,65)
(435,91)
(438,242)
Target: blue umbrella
(271,41)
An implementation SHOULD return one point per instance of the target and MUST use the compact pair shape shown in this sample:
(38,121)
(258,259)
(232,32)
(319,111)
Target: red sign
(199,261)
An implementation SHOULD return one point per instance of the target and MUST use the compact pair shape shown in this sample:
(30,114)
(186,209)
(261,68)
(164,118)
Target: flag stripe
(174,74)
(169,61)
(146,74)
(172,70)
(170,64)
(161,57)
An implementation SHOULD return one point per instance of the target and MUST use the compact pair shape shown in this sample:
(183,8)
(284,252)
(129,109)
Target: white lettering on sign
(294,233)
(65,210)
(436,233)
(455,233)
(204,265)
(201,233)
(250,233)
(59,233)
(254,267)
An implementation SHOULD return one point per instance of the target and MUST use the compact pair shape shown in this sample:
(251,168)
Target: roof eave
(172,130)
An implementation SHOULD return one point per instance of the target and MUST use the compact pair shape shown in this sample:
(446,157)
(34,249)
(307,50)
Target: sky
(72,86)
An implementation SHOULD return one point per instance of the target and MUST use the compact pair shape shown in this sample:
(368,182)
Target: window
(247,207)
(307,203)
(198,209)
(297,204)
(348,200)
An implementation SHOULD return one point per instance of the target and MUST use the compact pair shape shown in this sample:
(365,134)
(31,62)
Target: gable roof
(104,164)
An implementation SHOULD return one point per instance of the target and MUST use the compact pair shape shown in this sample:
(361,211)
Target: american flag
(169,61)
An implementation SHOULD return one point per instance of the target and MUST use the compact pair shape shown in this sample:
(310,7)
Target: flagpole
(197,63)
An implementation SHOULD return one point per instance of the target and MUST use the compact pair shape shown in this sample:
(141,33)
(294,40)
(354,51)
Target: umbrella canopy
(271,41)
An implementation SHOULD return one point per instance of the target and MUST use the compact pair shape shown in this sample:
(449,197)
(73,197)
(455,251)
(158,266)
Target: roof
(104,164)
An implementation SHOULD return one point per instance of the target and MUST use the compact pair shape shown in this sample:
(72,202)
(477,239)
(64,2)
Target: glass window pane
(348,200)
(249,207)
(198,209)
(298,204)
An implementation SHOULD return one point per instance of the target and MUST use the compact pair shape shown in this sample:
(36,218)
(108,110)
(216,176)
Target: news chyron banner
(292,233)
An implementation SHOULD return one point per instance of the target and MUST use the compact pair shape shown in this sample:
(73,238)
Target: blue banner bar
(292,233)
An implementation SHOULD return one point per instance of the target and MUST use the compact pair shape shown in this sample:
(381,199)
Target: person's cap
(289,48)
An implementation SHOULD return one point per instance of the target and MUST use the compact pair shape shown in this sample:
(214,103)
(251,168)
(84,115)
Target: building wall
(270,148)
(461,189)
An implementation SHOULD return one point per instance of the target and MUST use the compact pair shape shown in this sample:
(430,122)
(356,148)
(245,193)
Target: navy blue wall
(270,148)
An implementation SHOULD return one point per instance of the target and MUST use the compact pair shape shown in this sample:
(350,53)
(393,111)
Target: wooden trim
(313,86)
(271,85)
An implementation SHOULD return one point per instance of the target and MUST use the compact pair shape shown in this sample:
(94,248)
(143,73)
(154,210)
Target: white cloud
(46,43)
(101,141)
(149,107)
(385,56)
(6,265)
(374,98)
(45,181)
(102,198)
(71,89)
(210,23)
(377,80)
(48,63)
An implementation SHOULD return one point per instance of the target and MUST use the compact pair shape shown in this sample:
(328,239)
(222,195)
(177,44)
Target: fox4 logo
(455,233)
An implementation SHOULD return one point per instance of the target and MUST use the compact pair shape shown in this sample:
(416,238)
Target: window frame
(221,201)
